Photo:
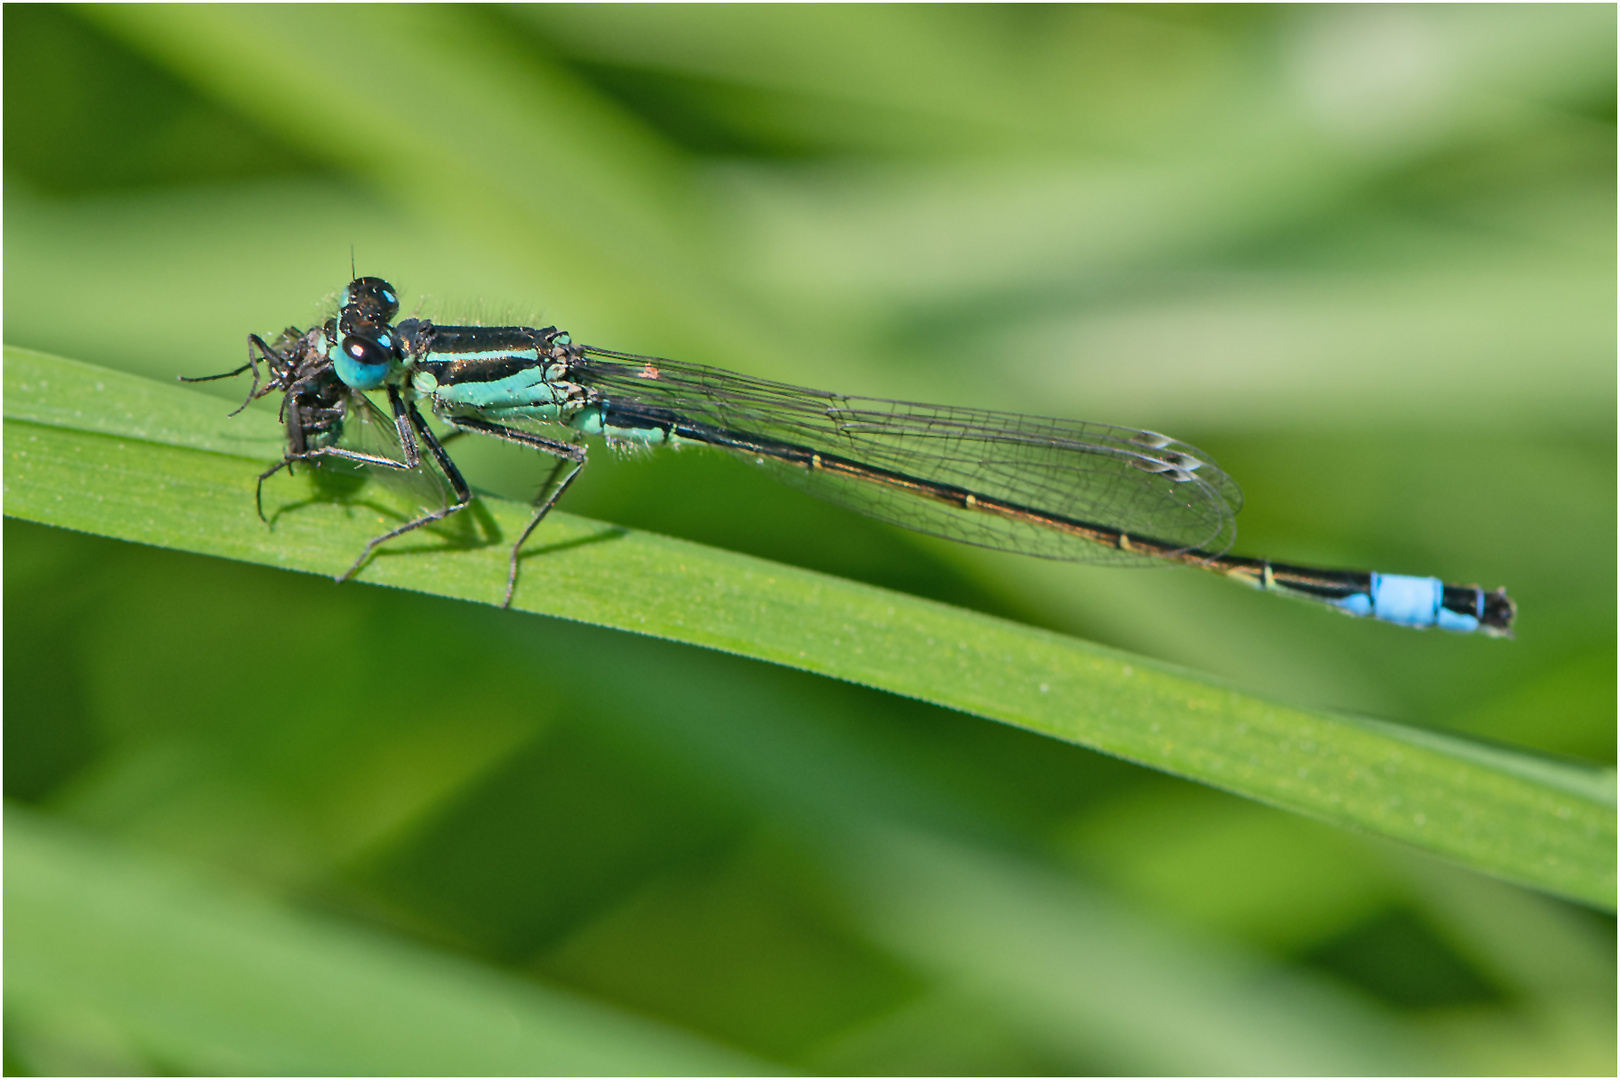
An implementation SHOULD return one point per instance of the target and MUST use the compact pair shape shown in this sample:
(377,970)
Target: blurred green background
(1363,256)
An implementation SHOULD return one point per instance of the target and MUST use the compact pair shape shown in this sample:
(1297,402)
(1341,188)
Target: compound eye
(365,351)
(373,298)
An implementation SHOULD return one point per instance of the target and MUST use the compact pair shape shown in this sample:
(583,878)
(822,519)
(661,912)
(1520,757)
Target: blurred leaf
(215,980)
(144,126)
(559,188)
(102,452)
(1102,988)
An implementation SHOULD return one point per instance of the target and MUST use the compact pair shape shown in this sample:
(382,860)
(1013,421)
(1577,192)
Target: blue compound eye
(362,363)
(365,352)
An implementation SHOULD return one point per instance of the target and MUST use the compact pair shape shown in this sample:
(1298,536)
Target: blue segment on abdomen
(1446,619)
(1407,601)
(1356,604)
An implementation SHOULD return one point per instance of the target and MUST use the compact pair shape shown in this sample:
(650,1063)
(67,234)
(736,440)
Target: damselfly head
(367,348)
(369,301)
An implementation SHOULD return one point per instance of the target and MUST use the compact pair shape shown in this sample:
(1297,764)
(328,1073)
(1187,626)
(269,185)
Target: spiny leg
(222,375)
(269,354)
(541,509)
(254,342)
(568,453)
(412,428)
(258,490)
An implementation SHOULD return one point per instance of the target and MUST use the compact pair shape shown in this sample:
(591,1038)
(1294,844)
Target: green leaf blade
(222,981)
(111,454)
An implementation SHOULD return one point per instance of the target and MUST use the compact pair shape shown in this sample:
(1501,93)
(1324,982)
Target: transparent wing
(368,430)
(1118,478)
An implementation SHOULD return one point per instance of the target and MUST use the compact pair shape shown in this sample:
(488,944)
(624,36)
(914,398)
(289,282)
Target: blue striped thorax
(498,373)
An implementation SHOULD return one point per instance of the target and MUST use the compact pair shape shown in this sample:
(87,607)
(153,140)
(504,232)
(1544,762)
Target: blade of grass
(217,980)
(94,450)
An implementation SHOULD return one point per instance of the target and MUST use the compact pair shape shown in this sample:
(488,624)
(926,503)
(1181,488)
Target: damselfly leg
(571,459)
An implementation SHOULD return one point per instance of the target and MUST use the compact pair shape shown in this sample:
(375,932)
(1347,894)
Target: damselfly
(1055,489)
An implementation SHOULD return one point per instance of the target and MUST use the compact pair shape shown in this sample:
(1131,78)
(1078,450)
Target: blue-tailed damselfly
(1056,489)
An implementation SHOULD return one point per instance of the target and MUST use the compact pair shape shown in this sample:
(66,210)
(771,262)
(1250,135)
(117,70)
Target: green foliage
(1363,256)
(277,993)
